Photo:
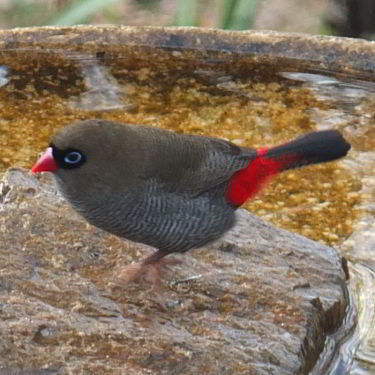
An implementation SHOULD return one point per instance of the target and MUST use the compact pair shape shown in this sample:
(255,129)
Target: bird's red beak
(46,163)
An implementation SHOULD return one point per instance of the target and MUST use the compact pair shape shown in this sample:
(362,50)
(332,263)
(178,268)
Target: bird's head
(90,152)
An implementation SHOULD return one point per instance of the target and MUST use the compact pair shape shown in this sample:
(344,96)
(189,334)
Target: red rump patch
(262,152)
(247,182)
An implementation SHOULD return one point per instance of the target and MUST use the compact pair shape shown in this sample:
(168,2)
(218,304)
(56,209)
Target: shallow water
(249,104)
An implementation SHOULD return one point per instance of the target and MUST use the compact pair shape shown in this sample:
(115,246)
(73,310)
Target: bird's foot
(149,270)
(151,273)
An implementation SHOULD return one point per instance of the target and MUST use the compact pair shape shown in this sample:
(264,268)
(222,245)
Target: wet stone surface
(259,301)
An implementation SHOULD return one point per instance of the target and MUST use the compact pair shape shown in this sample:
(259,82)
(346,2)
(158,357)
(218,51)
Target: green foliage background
(226,14)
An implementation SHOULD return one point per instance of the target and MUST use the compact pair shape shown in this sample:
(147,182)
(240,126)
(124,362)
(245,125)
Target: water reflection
(3,75)
(362,343)
(103,93)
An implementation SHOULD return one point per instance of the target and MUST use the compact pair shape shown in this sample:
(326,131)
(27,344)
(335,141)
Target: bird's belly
(169,222)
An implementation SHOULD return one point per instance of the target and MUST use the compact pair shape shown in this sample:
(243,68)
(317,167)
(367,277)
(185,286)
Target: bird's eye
(73,157)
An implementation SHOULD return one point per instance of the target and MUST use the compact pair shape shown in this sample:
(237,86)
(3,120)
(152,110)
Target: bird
(174,192)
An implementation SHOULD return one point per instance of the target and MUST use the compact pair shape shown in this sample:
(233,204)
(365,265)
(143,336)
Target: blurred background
(353,18)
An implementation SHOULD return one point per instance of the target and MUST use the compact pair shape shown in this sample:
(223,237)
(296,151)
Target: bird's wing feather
(194,164)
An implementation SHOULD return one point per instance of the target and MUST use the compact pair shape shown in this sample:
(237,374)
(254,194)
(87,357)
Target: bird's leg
(150,270)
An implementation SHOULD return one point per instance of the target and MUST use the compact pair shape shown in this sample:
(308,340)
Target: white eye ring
(73,157)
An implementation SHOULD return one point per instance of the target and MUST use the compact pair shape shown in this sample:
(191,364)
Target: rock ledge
(259,301)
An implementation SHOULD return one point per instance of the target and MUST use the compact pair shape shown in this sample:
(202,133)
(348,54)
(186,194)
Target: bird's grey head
(93,154)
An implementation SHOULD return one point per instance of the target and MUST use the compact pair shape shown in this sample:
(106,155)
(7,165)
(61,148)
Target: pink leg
(150,270)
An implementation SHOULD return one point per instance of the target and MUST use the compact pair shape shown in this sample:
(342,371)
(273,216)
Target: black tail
(312,148)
